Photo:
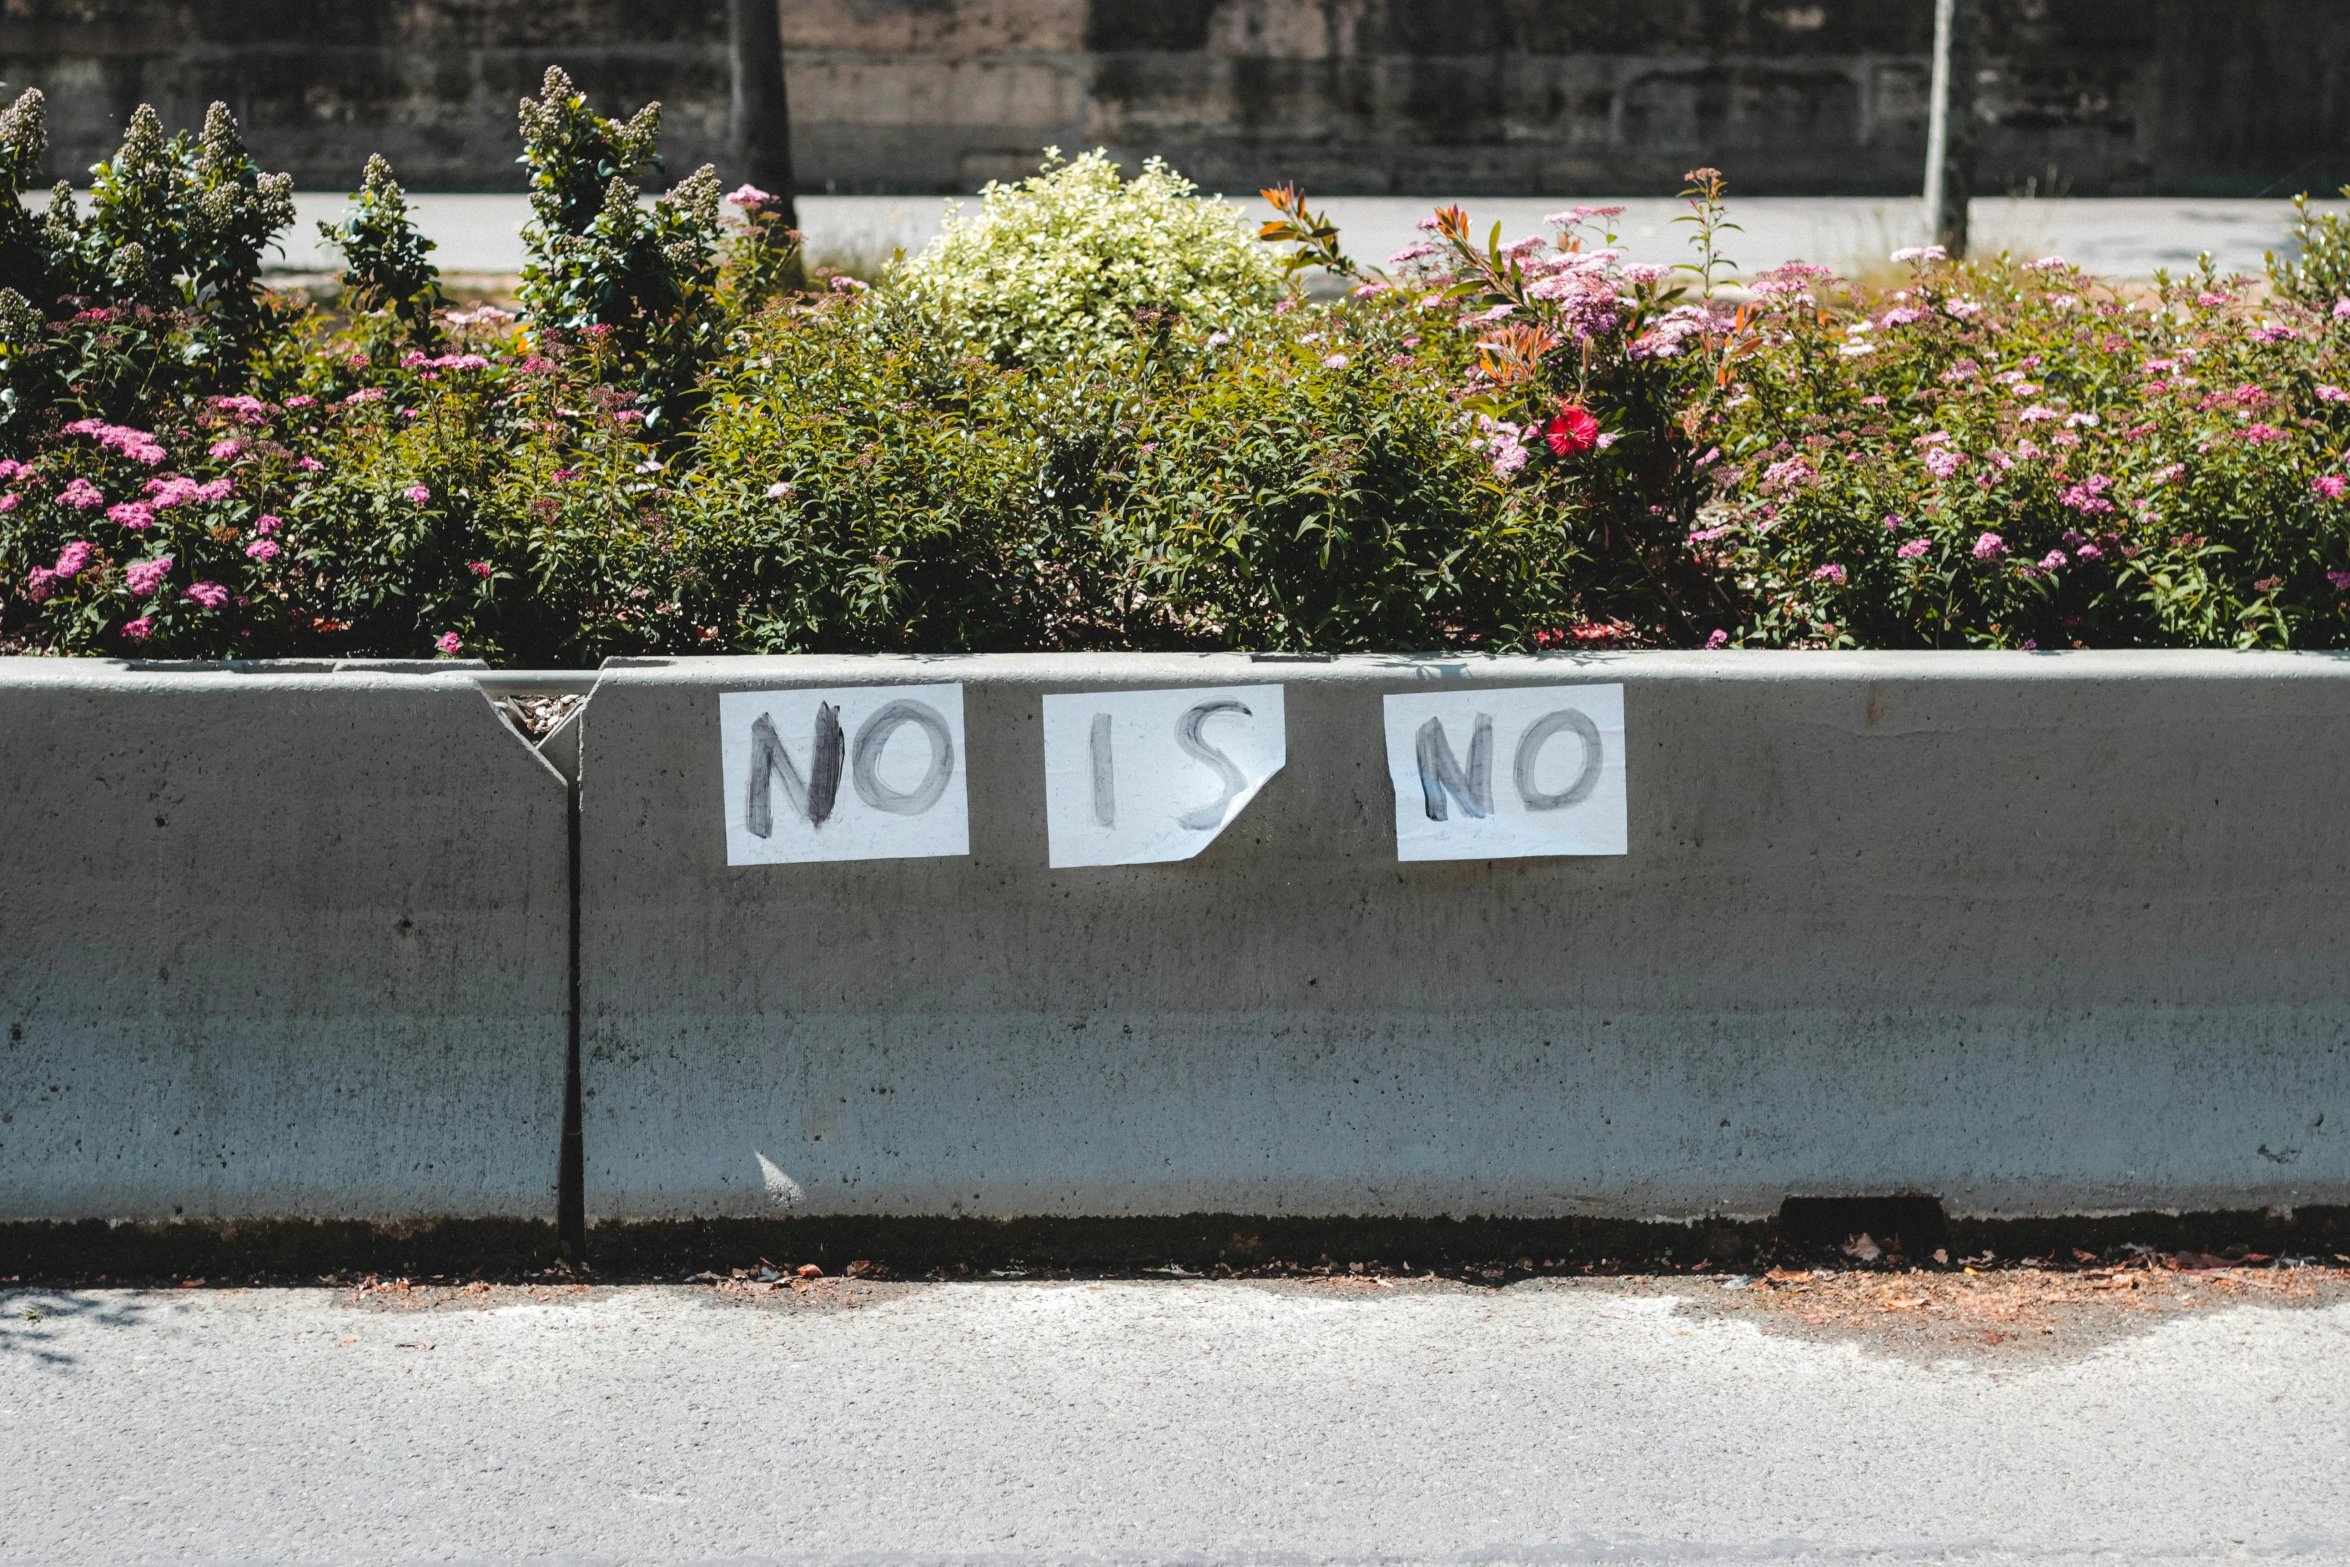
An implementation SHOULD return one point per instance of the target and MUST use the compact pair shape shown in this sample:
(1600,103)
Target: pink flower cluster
(2331,487)
(1990,546)
(206,595)
(167,493)
(1913,549)
(2089,495)
(416,361)
(42,581)
(81,495)
(146,578)
(1788,474)
(1942,462)
(137,445)
(1831,572)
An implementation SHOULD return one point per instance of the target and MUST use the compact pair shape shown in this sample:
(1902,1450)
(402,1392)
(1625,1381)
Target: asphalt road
(2122,237)
(1146,1422)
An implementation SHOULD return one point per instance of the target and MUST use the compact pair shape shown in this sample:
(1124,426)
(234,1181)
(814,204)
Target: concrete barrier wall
(2037,934)
(276,944)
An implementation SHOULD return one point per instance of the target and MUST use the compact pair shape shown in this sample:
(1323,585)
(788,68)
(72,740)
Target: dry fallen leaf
(1860,1248)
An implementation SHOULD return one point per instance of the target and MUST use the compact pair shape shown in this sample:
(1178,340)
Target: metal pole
(1950,124)
(759,132)
(1938,117)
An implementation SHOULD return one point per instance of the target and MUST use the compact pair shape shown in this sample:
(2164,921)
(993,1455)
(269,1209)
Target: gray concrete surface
(2033,933)
(2118,237)
(1147,1423)
(276,945)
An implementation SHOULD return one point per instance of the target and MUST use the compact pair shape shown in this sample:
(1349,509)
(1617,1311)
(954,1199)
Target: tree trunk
(759,135)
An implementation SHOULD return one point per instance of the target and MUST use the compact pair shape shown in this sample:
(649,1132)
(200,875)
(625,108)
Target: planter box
(2035,934)
(280,942)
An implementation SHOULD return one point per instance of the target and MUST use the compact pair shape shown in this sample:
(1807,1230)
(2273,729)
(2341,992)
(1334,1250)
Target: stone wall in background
(2093,97)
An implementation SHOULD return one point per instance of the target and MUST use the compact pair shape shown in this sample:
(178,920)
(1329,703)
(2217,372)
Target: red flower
(1571,431)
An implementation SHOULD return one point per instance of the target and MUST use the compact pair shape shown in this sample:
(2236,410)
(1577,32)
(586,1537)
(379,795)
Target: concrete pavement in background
(2115,237)
(1130,1422)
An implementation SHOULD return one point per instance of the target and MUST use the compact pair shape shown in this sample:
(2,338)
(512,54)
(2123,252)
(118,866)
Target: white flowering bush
(1075,263)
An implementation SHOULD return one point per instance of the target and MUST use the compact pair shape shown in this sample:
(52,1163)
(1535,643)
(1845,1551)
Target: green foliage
(598,263)
(1073,262)
(388,279)
(2318,273)
(153,297)
(1093,417)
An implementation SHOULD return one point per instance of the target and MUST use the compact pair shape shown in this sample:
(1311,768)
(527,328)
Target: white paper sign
(850,773)
(1488,775)
(1134,777)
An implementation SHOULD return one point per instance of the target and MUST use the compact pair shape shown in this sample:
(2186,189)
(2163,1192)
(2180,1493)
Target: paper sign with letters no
(1483,775)
(847,773)
(1135,777)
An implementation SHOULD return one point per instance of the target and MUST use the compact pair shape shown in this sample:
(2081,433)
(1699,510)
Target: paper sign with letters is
(1135,777)
(1481,774)
(847,773)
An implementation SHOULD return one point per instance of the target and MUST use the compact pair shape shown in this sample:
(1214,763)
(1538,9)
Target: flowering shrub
(1072,262)
(1098,416)
(2016,456)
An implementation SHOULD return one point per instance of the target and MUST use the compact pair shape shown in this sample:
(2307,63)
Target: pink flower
(2052,560)
(1415,251)
(480,568)
(206,595)
(1829,573)
(1719,639)
(2274,334)
(1335,362)
(2089,552)
(146,578)
(223,450)
(250,409)
(10,501)
(2340,579)
(262,550)
(414,360)
(747,195)
(10,468)
(265,526)
(138,630)
(1942,462)
(219,489)
(365,394)
(39,583)
(1989,545)
(1913,549)
(304,401)
(2332,394)
(1219,339)
(309,464)
(2262,434)
(2331,486)
(81,495)
(1872,402)
(419,494)
(137,516)
(448,644)
(72,558)
(168,493)
(2037,413)
(1786,475)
